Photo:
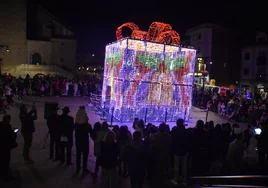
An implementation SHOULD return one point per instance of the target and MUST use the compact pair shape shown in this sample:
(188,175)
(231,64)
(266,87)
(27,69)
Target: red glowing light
(158,32)
(130,25)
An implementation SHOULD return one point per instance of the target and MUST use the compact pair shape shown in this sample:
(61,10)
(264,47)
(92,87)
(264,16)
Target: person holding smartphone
(27,129)
(7,143)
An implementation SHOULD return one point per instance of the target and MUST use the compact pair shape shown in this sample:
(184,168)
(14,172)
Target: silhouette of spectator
(109,160)
(135,158)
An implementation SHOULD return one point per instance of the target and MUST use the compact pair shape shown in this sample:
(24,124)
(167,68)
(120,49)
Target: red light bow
(158,32)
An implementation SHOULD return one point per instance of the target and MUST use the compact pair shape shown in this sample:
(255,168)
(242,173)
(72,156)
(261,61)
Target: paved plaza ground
(47,174)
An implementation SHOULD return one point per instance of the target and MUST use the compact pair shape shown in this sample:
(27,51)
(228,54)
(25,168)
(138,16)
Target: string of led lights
(130,25)
(158,32)
(148,74)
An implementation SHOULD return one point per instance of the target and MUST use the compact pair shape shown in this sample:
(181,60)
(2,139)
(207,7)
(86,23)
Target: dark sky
(95,22)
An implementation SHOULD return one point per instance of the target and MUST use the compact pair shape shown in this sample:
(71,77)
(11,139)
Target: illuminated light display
(130,25)
(144,78)
(141,35)
(158,32)
(156,28)
(168,37)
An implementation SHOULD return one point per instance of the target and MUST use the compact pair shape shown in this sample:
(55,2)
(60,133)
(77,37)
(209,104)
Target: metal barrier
(229,181)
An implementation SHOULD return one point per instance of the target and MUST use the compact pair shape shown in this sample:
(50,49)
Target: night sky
(95,22)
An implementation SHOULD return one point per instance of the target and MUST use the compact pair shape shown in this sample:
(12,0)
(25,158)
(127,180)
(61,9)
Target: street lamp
(7,50)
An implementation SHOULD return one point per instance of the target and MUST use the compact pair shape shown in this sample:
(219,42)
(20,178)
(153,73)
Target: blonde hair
(81,116)
(109,137)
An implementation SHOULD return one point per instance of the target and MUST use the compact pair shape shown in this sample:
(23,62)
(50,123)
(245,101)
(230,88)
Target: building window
(246,71)
(247,56)
(36,59)
(62,59)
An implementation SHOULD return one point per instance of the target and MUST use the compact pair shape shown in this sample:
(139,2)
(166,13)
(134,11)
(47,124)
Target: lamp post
(7,50)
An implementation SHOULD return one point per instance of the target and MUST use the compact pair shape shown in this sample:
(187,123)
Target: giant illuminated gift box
(143,78)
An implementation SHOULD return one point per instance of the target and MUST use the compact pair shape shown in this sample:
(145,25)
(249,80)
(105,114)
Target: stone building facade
(13,33)
(38,41)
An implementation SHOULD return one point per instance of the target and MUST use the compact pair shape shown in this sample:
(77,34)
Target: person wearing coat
(27,129)
(82,131)
(109,152)
(7,143)
(98,140)
(54,132)
(67,127)
(135,157)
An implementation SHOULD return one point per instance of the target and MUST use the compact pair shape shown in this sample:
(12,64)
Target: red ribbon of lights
(158,32)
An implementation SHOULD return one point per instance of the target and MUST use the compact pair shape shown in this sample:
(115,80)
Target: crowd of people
(235,106)
(150,154)
(44,86)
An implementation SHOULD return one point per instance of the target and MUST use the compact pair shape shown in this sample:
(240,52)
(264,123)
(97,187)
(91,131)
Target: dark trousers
(136,182)
(68,147)
(122,167)
(9,99)
(4,163)
(28,139)
(79,153)
(20,94)
(54,147)
(97,165)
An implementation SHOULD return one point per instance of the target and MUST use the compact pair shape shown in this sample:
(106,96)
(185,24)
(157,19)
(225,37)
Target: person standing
(20,87)
(8,94)
(99,137)
(160,155)
(27,129)
(67,127)
(82,131)
(54,132)
(7,143)
(135,157)
(109,160)
(75,88)
(181,148)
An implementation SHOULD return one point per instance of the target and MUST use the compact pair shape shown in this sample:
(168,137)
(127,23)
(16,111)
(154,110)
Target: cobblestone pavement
(45,173)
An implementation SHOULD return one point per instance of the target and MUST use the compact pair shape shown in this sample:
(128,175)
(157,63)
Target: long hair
(81,116)
(123,134)
(109,137)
